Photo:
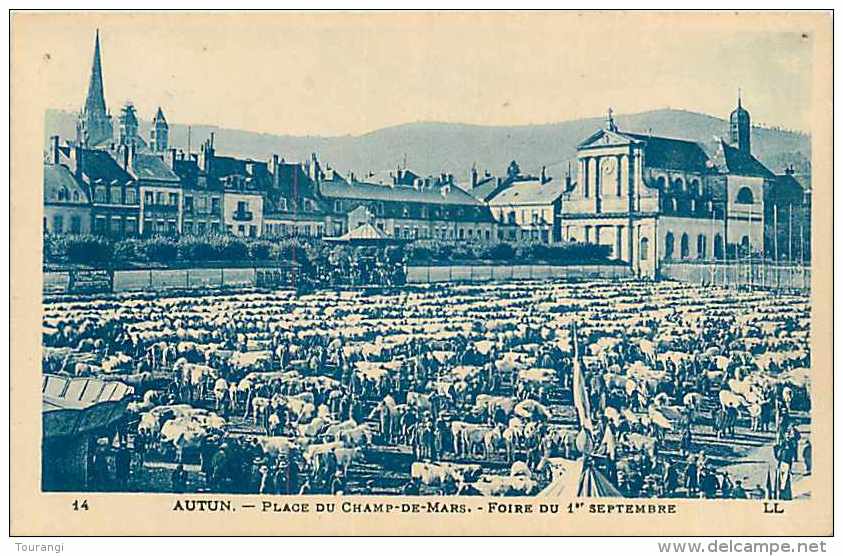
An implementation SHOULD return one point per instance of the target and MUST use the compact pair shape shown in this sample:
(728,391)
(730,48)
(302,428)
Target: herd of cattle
(458,377)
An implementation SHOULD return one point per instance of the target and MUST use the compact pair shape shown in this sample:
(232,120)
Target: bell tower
(159,136)
(740,127)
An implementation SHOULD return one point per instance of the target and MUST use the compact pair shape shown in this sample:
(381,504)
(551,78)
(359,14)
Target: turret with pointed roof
(740,128)
(159,135)
(94,126)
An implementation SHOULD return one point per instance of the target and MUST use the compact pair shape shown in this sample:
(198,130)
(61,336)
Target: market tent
(594,484)
(566,474)
(364,234)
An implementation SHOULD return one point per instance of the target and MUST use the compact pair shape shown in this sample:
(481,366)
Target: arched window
(745,245)
(695,186)
(683,246)
(744,196)
(718,247)
(668,245)
(701,247)
(660,183)
(679,184)
(645,249)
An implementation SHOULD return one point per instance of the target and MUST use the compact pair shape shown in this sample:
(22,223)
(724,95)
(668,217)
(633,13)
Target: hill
(431,147)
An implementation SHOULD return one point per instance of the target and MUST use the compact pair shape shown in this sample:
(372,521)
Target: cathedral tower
(94,126)
(159,135)
(129,125)
(740,127)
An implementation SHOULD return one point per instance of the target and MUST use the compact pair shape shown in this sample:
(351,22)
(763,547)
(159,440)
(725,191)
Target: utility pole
(776,244)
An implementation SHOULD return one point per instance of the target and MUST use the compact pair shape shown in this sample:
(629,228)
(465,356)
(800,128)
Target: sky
(346,73)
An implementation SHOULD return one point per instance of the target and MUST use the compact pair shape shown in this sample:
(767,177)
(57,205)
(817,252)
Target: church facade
(654,199)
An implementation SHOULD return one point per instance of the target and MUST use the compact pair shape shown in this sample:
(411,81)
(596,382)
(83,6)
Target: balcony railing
(242,215)
(160,207)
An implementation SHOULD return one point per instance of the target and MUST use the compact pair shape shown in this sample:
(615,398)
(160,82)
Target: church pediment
(606,138)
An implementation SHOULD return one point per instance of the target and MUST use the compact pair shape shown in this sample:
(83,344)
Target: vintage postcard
(394,273)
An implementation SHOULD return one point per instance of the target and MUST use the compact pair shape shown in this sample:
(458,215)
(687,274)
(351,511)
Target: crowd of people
(485,386)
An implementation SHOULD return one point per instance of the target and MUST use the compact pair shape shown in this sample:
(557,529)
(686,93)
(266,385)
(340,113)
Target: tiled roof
(406,194)
(152,167)
(743,164)
(672,154)
(485,188)
(99,166)
(192,178)
(787,188)
(530,192)
(58,177)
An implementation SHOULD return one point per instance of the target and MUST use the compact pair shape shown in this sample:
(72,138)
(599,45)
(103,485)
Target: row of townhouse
(123,191)
(110,181)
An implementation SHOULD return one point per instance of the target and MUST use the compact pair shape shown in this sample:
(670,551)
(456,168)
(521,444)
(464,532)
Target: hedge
(308,252)
(568,253)
(100,252)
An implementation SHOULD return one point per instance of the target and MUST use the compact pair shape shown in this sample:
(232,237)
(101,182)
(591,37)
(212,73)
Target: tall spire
(94,126)
(95,102)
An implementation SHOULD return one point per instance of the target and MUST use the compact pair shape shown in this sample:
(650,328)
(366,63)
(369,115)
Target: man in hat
(807,457)
(692,477)
(738,492)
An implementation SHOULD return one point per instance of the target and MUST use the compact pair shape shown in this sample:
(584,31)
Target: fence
(489,273)
(756,274)
(159,280)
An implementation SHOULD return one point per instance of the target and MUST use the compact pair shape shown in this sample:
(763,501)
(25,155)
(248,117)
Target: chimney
(78,152)
(789,170)
(276,171)
(55,156)
(544,179)
(473,177)
(131,159)
(171,158)
(568,178)
(206,155)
